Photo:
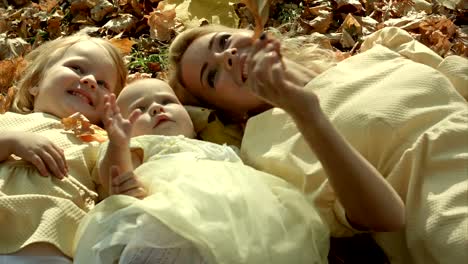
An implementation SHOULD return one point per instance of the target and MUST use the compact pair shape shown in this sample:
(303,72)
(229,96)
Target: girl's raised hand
(41,152)
(119,129)
(126,184)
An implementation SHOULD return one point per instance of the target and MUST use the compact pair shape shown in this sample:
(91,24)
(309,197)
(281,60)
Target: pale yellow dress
(201,191)
(44,209)
(402,107)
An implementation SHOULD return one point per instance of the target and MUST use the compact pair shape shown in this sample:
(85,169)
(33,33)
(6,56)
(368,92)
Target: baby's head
(70,74)
(162,112)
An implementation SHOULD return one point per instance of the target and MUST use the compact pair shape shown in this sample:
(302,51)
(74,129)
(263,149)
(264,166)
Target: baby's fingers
(138,192)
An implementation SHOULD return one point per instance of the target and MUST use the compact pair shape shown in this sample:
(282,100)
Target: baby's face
(162,112)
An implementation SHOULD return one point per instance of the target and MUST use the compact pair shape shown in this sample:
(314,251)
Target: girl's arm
(116,168)
(37,149)
(369,200)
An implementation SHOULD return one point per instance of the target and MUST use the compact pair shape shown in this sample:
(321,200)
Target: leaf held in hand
(83,129)
(260,11)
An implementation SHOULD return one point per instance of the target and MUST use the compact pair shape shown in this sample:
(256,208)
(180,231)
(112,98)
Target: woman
(359,137)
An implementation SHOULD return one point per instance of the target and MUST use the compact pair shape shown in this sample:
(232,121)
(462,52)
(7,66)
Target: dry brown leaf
(124,45)
(124,22)
(436,32)
(319,24)
(260,11)
(83,129)
(101,9)
(7,100)
(9,69)
(162,21)
(354,3)
(47,5)
(351,25)
(137,76)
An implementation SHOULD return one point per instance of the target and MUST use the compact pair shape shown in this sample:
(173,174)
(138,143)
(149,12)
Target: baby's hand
(126,183)
(42,153)
(119,129)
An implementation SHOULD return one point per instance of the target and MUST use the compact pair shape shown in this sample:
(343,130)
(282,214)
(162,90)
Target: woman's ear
(34,91)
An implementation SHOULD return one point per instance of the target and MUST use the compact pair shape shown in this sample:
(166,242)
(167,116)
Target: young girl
(201,205)
(45,182)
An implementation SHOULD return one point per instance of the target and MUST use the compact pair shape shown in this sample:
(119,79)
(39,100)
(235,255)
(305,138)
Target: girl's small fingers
(39,164)
(59,156)
(51,163)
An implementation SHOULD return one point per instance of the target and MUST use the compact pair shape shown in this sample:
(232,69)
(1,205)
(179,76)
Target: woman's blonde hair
(45,55)
(304,51)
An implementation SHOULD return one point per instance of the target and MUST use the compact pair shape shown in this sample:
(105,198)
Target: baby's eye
(142,108)
(102,84)
(167,101)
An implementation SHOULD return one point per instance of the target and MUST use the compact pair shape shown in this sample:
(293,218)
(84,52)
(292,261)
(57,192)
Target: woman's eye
(211,78)
(223,41)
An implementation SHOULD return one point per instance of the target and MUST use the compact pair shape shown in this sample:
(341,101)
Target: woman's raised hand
(275,81)
(47,157)
(119,129)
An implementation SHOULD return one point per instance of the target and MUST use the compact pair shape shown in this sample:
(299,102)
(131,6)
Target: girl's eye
(211,78)
(76,69)
(223,41)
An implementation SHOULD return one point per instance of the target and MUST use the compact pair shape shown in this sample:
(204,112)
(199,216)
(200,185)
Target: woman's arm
(369,200)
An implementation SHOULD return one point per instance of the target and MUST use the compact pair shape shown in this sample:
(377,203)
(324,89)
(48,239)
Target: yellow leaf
(260,11)
(124,45)
(83,129)
(162,21)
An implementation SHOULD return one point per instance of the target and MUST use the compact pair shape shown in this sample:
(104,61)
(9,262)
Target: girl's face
(161,111)
(214,69)
(76,83)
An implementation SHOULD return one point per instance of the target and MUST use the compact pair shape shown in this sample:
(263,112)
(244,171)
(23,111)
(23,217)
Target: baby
(200,203)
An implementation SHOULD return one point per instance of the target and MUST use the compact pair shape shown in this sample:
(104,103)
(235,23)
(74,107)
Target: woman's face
(214,69)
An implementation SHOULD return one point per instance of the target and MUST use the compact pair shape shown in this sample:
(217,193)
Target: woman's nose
(227,58)
(90,81)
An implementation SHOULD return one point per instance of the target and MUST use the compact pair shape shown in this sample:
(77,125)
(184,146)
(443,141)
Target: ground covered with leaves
(143,29)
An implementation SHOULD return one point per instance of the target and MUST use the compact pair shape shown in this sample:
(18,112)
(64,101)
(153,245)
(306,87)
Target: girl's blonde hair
(44,56)
(304,51)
